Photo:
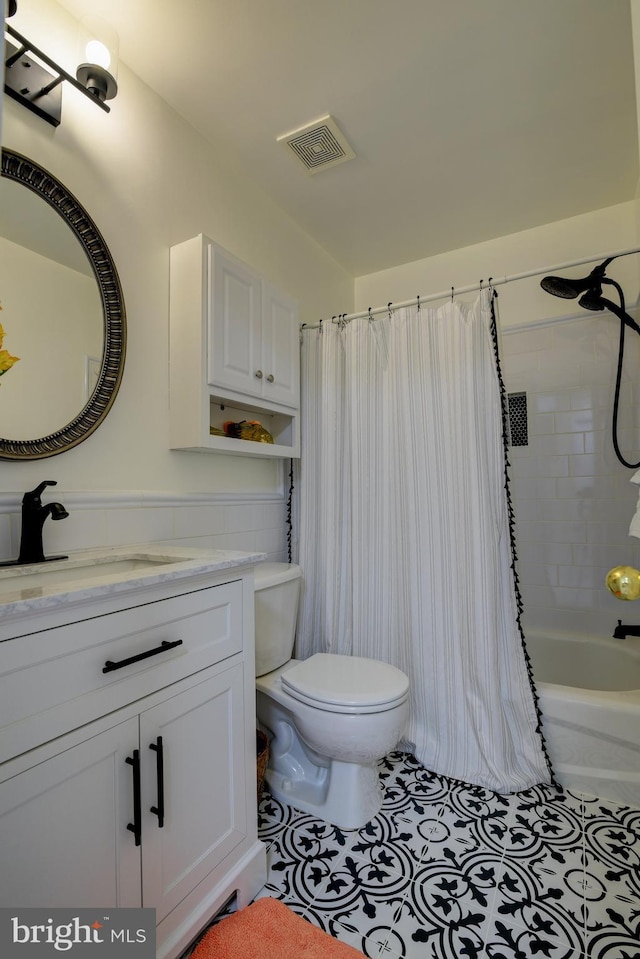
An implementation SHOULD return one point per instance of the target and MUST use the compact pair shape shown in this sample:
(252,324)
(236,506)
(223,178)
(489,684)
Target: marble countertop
(98,574)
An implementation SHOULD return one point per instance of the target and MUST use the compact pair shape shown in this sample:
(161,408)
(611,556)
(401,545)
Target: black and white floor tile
(450,871)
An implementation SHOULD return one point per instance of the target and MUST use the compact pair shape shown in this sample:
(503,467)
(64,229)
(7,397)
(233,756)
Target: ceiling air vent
(318,145)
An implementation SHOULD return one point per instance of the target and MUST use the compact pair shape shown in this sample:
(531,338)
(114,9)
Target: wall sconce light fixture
(28,82)
(99,45)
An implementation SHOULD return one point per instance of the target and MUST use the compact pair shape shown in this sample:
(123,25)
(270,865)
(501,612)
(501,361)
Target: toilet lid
(349,683)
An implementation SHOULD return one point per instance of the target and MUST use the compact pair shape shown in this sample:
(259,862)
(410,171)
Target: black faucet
(33,516)
(621,632)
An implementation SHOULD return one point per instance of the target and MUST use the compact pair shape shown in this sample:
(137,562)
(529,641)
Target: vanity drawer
(59,679)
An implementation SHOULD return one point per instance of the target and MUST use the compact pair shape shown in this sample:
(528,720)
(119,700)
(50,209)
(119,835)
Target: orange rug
(267,929)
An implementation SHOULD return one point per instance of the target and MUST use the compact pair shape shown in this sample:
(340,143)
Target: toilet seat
(346,684)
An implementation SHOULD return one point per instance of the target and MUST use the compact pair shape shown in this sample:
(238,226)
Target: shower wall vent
(518,425)
(318,145)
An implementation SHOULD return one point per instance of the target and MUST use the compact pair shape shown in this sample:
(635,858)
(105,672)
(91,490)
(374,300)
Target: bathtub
(589,696)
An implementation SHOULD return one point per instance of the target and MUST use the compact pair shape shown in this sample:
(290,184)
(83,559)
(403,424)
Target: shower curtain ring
(418,302)
(389,308)
(370,315)
(452,294)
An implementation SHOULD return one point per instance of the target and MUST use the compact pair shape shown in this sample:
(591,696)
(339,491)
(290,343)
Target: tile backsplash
(252,522)
(572,498)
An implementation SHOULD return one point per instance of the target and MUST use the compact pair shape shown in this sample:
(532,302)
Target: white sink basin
(83,570)
(93,575)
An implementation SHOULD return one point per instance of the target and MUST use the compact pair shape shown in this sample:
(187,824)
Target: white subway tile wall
(573,500)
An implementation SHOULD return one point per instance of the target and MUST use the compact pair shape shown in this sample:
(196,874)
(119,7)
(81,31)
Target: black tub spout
(621,631)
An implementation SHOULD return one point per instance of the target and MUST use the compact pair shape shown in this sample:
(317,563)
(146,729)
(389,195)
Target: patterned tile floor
(448,871)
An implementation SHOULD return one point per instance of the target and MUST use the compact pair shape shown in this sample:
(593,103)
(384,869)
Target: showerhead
(592,300)
(569,289)
(562,286)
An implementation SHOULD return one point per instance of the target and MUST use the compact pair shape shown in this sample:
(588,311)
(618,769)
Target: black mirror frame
(23,170)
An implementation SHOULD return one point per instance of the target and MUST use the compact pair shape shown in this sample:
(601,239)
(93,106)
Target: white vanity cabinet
(61,824)
(234,353)
(201,800)
(127,742)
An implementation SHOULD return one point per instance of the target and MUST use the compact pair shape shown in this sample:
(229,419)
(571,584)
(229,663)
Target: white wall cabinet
(234,353)
(151,802)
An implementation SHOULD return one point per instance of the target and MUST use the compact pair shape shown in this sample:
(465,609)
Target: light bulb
(98,49)
(98,53)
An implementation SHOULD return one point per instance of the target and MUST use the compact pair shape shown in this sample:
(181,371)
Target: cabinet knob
(270,378)
(259,374)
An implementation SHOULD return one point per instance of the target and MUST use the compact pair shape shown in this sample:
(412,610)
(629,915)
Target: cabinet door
(234,325)
(63,826)
(201,735)
(280,347)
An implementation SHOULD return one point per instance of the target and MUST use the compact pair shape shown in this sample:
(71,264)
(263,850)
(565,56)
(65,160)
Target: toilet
(330,718)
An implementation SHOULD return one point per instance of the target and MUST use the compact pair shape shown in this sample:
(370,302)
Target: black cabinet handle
(136,826)
(159,809)
(109,666)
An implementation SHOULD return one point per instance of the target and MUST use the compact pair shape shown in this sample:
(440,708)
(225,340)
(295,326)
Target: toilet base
(348,796)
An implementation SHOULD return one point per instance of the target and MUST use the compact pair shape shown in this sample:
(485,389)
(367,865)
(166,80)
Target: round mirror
(63,320)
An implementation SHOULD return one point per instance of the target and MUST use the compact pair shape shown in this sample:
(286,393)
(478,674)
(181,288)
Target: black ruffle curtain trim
(512,538)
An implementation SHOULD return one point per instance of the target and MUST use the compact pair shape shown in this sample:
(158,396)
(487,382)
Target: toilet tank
(277,591)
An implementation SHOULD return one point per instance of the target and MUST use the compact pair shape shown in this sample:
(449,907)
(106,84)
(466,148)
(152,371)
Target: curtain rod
(472,288)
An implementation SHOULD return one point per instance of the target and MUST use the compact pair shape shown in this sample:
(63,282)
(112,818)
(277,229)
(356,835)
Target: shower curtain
(404,537)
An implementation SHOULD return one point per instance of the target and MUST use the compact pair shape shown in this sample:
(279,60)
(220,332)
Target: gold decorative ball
(624,582)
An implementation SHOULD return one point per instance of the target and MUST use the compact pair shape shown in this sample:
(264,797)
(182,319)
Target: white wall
(149,181)
(521,302)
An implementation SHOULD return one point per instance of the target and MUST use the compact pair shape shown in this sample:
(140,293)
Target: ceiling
(468,120)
